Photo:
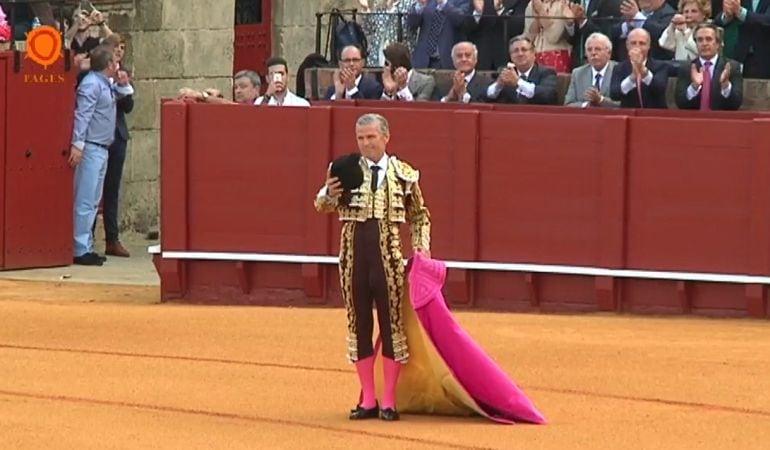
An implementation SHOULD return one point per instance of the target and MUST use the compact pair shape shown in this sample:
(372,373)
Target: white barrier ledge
(487,266)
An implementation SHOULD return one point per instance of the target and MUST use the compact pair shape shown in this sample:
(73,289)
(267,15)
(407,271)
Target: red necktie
(705,90)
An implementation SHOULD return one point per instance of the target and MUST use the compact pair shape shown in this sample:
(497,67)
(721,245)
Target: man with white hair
(467,84)
(590,83)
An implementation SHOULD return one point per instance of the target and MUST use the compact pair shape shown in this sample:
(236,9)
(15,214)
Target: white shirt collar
(713,61)
(526,74)
(382,163)
(470,76)
(600,72)
(290,99)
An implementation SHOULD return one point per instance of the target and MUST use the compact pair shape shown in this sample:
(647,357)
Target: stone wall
(171,44)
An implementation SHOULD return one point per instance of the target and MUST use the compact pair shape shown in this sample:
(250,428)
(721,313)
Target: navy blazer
(545,81)
(123,106)
(451,32)
(653,96)
(601,16)
(368,89)
(492,32)
(656,22)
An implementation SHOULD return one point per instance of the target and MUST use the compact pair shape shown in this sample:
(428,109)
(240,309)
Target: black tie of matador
(375,168)
(375,172)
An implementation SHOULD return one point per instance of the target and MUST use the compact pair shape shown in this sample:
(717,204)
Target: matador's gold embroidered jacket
(400,201)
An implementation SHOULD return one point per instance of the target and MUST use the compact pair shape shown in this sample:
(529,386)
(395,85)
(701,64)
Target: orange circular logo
(44,45)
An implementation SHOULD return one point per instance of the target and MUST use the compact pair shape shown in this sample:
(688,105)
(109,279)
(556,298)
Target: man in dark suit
(652,15)
(116,154)
(710,82)
(524,81)
(492,24)
(115,162)
(467,84)
(598,16)
(639,81)
(753,46)
(439,23)
(349,81)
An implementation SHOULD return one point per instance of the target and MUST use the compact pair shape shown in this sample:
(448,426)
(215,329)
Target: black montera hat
(348,170)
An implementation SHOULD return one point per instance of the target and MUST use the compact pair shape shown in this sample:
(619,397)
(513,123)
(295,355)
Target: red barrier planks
(37,194)
(3,143)
(689,195)
(557,187)
(540,188)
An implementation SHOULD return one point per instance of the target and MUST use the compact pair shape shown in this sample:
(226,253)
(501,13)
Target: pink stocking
(391,369)
(365,369)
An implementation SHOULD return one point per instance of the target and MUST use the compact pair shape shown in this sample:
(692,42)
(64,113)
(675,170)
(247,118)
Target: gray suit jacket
(421,86)
(582,79)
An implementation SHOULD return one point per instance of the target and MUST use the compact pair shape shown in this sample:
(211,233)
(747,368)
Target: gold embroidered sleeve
(418,216)
(325,204)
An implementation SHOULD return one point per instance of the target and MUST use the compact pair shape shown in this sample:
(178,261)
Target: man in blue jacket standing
(93,133)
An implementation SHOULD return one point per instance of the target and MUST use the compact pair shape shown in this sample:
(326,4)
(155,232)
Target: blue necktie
(598,82)
(434,32)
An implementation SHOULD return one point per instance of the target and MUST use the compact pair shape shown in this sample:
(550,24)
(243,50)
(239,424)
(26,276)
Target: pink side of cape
(484,380)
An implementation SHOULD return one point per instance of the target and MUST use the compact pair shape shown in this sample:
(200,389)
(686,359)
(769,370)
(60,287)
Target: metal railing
(391,27)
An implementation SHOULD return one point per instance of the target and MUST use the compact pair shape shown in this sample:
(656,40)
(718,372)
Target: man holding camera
(277,93)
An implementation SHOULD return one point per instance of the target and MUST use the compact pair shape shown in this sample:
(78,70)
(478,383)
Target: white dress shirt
(638,22)
(523,88)
(404,94)
(595,72)
(382,164)
(629,83)
(289,99)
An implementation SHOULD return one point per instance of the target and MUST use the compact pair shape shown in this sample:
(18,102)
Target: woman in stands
(549,24)
(678,36)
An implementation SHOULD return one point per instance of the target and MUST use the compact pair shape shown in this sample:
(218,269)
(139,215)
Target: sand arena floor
(94,366)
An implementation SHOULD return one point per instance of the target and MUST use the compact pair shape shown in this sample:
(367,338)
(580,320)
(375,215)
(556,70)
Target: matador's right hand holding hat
(348,170)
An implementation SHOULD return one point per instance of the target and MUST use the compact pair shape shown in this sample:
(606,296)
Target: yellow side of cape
(425,384)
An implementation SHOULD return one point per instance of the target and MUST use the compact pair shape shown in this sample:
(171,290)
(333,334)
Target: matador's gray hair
(370,118)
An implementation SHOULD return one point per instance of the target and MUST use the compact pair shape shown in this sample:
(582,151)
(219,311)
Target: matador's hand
(333,185)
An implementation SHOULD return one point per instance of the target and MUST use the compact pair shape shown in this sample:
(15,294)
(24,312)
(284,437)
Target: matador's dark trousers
(371,271)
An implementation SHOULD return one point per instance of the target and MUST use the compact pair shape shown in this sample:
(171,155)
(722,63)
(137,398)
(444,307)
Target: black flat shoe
(360,413)
(89,259)
(389,414)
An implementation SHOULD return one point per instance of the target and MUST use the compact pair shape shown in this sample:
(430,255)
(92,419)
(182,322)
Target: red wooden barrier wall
(541,186)
(36,114)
